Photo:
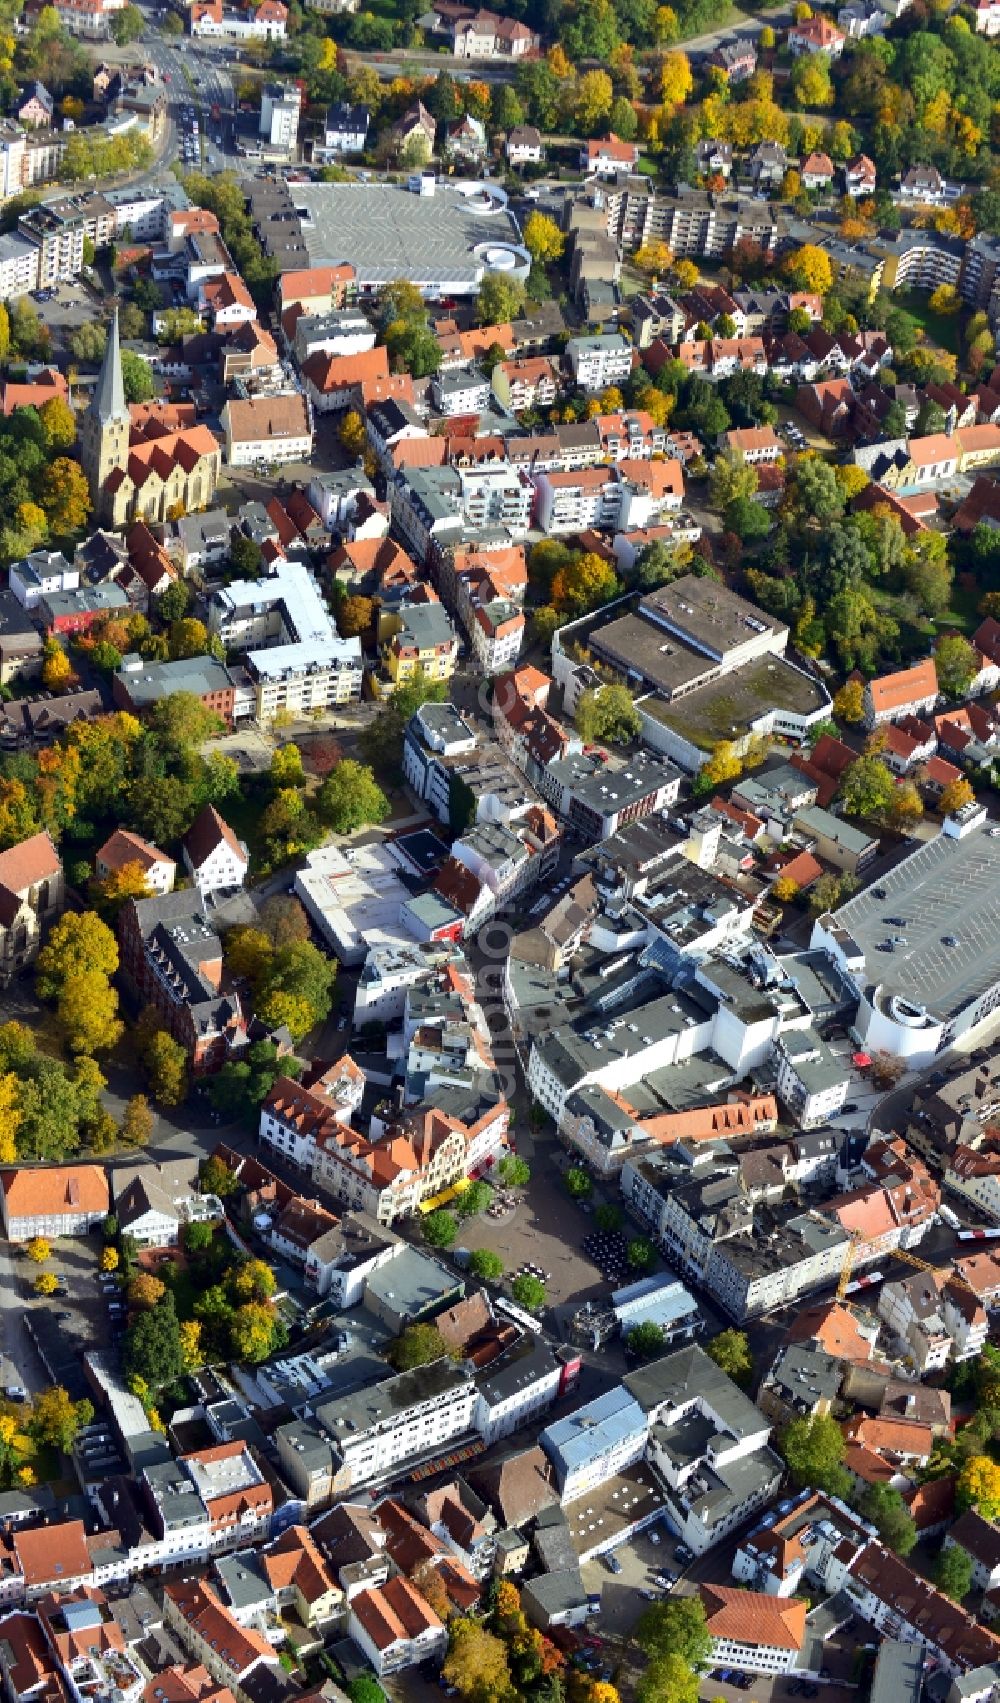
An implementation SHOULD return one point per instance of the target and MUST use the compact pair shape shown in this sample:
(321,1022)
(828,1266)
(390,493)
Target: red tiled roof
(750,1617)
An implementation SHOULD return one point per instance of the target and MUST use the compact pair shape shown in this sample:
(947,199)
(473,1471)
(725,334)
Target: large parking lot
(68,307)
(64,1325)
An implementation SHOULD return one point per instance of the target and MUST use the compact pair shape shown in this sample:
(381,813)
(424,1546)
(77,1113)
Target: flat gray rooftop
(387,232)
(946,887)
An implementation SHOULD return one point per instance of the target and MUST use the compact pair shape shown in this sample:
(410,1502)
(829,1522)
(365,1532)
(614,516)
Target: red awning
(862,1060)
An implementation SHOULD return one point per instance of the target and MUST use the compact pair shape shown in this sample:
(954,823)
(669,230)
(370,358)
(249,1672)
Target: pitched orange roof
(750,1617)
(394,1613)
(55,1189)
(908,686)
(50,1553)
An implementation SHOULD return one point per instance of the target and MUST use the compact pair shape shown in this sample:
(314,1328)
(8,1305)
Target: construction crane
(856,1242)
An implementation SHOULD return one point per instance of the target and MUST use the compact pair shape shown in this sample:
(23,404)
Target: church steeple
(104,430)
(109,397)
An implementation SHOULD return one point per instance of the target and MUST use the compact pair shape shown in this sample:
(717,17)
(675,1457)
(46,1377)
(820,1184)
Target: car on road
(850,1106)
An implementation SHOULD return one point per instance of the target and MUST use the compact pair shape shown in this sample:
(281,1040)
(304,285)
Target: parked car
(613,1564)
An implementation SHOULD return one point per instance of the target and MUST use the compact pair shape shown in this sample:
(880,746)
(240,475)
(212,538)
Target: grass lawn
(646,166)
(243,814)
(963,615)
(939,328)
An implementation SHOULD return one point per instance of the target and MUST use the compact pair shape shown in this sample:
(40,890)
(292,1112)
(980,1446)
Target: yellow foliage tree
(46,1283)
(109,1259)
(88,1013)
(665,26)
(145,1290)
(955,796)
(10,1117)
(592,102)
(785,889)
(65,496)
(58,424)
(849,702)
(252,1331)
(979,1486)
(686,273)
(809,269)
(476,1663)
(352,434)
(58,674)
(190,1338)
(38,1250)
(723,764)
(945,299)
(676,80)
(851,480)
(654,258)
(30,520)
(542,238)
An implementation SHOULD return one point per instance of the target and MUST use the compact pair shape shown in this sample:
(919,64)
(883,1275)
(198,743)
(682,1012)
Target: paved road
(402,61)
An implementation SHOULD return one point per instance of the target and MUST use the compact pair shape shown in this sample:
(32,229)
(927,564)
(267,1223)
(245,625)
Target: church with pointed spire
(104,431)
(149,464)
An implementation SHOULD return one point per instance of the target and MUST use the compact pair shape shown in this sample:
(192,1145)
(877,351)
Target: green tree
(138,377)
(609,1217)
(166,1068)
(747,519)
(351,798)
(440,1229)
(514,1172)
(579,1183)
(473,1200)
(215,1177)
(641,1254)
(668,1679)
(197,1237)
(732,478)
(814,1448)
(485,1265)
(180,723)
(500,300)
(364,1689)
(867,788)
(884,1507)
(608,713)
(957,664)
(153,1345)
(731,1351)
(646,1341)
(245,556)
(127,25)
(953,1572)
(675,1628)
(528,1292)
(417,1345)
